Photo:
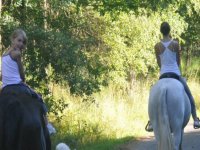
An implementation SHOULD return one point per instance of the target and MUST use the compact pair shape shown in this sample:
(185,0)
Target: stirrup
(147,128)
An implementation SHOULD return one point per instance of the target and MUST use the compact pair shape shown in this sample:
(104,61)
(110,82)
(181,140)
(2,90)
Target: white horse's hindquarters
(169,108)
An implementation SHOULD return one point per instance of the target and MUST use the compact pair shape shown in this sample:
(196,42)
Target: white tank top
(168,60)
(10,71)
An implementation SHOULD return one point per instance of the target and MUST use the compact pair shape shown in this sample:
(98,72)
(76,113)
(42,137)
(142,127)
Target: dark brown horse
(22,125)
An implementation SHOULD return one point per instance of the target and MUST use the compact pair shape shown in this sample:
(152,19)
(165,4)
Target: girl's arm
(178,51)
(179,55)
(1,71)
(16,55)
(157,54)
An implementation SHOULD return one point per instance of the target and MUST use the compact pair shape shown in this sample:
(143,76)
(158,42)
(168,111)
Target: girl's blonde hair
(18,32)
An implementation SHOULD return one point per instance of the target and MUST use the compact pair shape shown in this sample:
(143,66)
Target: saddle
(169,75)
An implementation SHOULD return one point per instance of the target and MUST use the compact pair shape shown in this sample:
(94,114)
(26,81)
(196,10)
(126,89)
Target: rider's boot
(196,123)
(149,127)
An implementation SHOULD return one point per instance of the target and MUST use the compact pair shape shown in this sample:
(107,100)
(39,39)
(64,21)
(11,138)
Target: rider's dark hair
(165,28)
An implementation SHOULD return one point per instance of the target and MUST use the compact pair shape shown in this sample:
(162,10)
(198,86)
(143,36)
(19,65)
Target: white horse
(169,111)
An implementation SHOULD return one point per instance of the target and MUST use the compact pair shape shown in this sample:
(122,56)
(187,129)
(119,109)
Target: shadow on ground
(191,141)
(103,144)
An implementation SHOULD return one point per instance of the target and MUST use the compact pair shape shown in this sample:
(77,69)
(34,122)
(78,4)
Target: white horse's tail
(169,112)
(166,141)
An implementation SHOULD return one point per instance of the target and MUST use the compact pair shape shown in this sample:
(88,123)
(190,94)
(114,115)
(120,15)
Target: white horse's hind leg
(178,133)
(180,147)
(169,112)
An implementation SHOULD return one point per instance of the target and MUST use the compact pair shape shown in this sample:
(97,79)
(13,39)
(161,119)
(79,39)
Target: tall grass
(109,118)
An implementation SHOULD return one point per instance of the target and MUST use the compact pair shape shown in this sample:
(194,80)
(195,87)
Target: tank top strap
(166,44)
(8,53)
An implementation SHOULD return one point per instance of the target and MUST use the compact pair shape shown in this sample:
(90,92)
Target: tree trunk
(23,14)
(188,57)
(45,14)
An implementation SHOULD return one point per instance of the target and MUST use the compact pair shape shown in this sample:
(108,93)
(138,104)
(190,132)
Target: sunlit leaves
(89,43)
(132,38)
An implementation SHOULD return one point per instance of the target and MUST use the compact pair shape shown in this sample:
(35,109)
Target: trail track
(191,141)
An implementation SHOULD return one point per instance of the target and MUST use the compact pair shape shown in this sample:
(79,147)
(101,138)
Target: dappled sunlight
(194,86)
(112,115)
(190,141)
(94,62)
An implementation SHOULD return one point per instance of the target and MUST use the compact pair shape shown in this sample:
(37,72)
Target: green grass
(106,144)
(112,117)
(192,69)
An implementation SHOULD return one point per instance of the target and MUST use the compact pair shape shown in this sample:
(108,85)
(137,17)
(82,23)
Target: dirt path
(191,141)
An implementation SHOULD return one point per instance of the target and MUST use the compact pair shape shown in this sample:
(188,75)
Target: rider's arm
(179,55)
(178,51)
(157,52)
(0,77)
(16,55)
(1,73)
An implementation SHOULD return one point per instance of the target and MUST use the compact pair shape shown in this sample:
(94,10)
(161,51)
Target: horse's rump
(169,111)
(22,125)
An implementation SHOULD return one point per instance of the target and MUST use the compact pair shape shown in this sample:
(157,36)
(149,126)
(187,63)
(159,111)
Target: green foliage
(131,40)
(190,11)
(114,115)
(117,6)
(87,122)
(86,51)
(69,46)
(85,45)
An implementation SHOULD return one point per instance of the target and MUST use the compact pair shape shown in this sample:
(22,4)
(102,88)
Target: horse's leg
(43,140)
(1,128)
(31,135)
(12,118)
(178,138)
(47,139)
(180,147)
(46,134)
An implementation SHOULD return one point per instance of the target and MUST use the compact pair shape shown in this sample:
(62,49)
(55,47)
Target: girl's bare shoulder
(15,54)
(159,47)
(174,45)
(7,52)
(175,42)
